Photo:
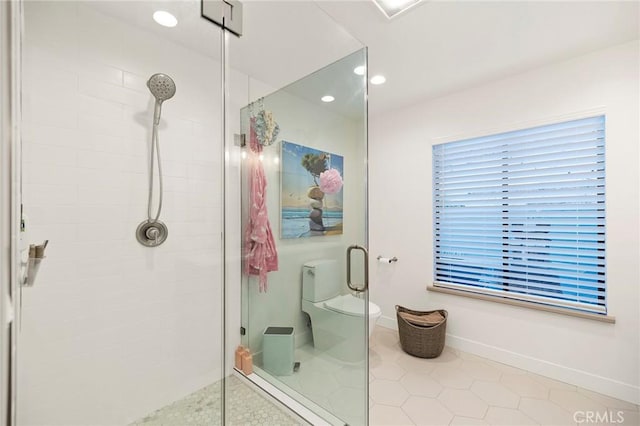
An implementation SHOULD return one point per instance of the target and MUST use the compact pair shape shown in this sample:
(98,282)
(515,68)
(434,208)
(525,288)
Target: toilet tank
(320,280)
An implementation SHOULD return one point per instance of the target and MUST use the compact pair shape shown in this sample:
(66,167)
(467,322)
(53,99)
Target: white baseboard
(583,379)
(387,322)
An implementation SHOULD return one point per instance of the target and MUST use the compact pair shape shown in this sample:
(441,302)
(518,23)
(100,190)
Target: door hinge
(224,13)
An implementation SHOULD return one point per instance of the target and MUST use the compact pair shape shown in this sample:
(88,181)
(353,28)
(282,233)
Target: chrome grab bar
(365,286)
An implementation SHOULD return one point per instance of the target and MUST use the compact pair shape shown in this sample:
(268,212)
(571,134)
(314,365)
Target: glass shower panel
(304,188)
(113,331)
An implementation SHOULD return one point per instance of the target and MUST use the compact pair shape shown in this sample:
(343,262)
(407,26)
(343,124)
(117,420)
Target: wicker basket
(423,342)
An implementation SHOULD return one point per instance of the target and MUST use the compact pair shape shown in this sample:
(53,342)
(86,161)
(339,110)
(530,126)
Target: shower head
(162,88)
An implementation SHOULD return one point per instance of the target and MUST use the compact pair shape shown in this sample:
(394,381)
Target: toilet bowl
(338,325)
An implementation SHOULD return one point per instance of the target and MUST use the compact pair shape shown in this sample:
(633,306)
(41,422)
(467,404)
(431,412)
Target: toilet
(336,319)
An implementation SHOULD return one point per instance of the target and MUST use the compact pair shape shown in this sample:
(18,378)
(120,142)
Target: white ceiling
(436,48)
(445,46)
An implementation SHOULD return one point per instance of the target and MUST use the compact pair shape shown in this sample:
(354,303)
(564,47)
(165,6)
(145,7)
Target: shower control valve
(151,233)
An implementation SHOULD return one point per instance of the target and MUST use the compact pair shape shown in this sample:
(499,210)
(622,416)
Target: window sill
(537,306)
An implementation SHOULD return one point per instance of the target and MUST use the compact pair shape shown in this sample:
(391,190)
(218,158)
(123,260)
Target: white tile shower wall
(113,330)
(594,355)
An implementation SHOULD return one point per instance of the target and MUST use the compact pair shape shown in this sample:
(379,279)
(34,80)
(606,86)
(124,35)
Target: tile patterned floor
(458,388)
(202,408)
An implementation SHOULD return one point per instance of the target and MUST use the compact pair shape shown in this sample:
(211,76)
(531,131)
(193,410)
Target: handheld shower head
(162,88)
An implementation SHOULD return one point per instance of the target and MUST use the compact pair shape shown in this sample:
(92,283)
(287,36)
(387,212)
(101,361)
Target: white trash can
(277,350)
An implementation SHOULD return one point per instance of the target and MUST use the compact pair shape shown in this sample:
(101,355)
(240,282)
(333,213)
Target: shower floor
(245,406)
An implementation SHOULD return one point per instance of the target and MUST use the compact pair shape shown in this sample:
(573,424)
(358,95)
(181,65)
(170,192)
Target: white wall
(113,330)
(595,355)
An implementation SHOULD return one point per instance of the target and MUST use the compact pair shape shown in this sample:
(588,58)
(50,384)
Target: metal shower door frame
(10,200)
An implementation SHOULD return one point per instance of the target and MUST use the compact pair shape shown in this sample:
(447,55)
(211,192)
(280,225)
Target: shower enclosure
(315,199)
(110,331)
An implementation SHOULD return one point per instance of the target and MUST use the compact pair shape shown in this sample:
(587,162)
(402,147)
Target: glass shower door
(305,302)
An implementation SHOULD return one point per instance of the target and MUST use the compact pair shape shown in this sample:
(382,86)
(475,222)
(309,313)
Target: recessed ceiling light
(359,70)
(378,79)
(165,18)
(391,8)
(327,98)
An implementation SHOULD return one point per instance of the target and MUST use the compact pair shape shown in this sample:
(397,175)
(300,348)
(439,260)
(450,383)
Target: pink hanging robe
(260,249)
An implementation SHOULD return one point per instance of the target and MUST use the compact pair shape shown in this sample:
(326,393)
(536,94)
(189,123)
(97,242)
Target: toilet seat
(350,305)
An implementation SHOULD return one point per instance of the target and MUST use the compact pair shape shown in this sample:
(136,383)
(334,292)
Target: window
(521,215)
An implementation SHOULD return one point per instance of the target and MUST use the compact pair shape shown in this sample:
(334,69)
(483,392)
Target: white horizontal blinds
(522,214)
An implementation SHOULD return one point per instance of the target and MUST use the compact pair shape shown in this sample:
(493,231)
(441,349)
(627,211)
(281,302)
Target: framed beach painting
(311,192)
